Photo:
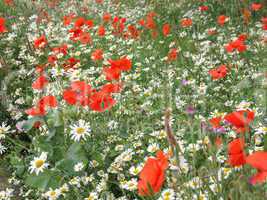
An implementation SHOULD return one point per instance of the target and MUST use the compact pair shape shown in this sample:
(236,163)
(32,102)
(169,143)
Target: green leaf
(18,164)
(44,181)
(74,154)
(265,142)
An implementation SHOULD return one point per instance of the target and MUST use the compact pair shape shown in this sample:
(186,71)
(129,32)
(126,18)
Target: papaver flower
(215,122)
(219,72)
(166,29)
(40,42)
(101,31)
(101,101)
(258,160)
(79,92)
(236,154)
(240,120)
(172,55)
(85,38)
(186,22)
(152,176)
(237,44)
(264,23)
(134,33)
(79,22)
(42,104)
(97,55)
(256,6)
(112,73)
(40,83)
(222,19)
(106,17)
(9,2)
(203,8)
(2,25)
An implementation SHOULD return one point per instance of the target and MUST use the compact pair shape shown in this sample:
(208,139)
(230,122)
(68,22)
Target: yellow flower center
(39,163)
(80,130)
(52,193)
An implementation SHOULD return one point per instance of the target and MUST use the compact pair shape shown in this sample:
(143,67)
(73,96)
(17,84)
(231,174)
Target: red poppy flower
(240,120)
(40,83)
(9,2)
(150,23)
(49,101)
(186,22)
(99,1)
(101,31)
(52,59)
(40,42)
(258,160)
(152,175)
(77,93)
(43,103)
(112,73)
(256,6)
(111,88)
(106,17)
(142,22)
(124,64)
(216,122)
(76,32)
(101,101)
(172,55)
(133,31)
(237,44)
(222,19)
(2,25)
(89,23)
(67,19)
(264,23)
(203,8)
(236,152)
(85,38)
(79,22)
(70,63)
(97,55)
(61,49)
(219,72)
(166,29)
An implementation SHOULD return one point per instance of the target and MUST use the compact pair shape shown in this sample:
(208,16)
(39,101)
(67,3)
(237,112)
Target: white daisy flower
(167,194)
(130,185)
(38,164)
(2,149)
(78,167)
(153,147)
(135,170)
(92,196)
(80,131)
(4,128)
(52,194)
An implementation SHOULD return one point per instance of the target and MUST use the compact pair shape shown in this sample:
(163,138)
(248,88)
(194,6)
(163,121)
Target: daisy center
(39,163)
(52,193)
(80,130)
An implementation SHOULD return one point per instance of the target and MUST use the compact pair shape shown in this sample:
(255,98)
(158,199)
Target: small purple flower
(219,130)
(190,110)
(11,17)
(184,82)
